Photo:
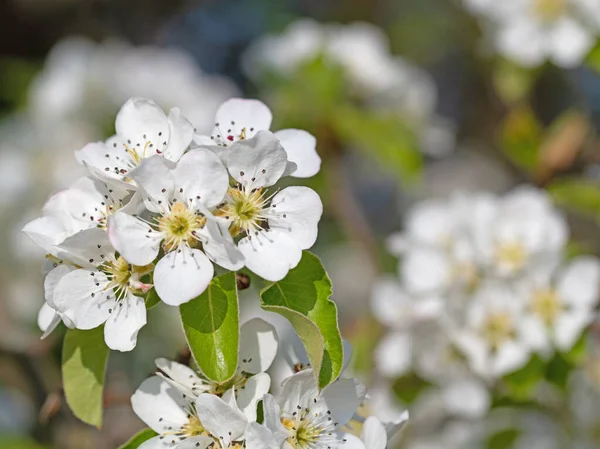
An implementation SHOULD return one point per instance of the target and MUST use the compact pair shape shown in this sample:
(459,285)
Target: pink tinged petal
(238,113)
(270,254)
(181,133)
(181,275)
(221,419)
(569,42)
(569,327)
(220,247)
(124,323)
(136,241)
(296,211)
(82,297)
(140,121)
(259,437)
(393,356)
(202,177)
(301,148)
(160,405)
(351,441)
(579,283)
(257,162)
(155,178)
(342,398)
(258,346)
(254,390)
(374,434)
(47,320)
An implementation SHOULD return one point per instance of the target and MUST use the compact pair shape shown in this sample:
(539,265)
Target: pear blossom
(560,303)
(303,417)
(240,119)
(178,197)
(562,31)
(372,436)
(271,229)
(94,285)
(142,130)
(184,422)
(258,347)
(492,339)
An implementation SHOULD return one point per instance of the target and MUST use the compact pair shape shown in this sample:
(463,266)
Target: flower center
(546,304)
(246,210)
(238,381)
(511,255)
(549,10)
(193,427)
(125,277)
(497,328)
(179,226)
(224,135)
(310,430)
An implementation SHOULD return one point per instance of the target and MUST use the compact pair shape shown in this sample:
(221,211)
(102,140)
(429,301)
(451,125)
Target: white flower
(179,198)
(142,130)
(238,119)
(304,418)
(491,339)
(560,304)
(105,289)
(272,228)
(372,436)
(563,31)
(258,347)
(185,422)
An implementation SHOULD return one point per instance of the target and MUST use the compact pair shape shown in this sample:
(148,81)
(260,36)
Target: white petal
(155,178)
(220,419)
(393,355)
(511,38)
(509,357)
(259,437)
(52,279)
(253,115)
(156,401)
(124,323)
(569,327)
(199,442)
(296,211)
(351,441)
(425,271)
(272,418)
(298,390)
(579,284)
(202,177)
(181,275)
(140,121)
(535,334)
(570,42)
(181,132)
(220,247)
(257,162)
(254,390)
(343,398)
(301,148)
(373,434)
(467,398)
(47,319)
(389,301)
(82,297)
(258,346)
(137,242)
(46,232)
(270,254)
(182,376)
(88,248)
(101,161)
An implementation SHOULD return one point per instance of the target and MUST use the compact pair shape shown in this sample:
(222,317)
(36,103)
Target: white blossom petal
(155,178)
(270,254)
(140,121)
(47,319)
(136,241)
(220,247)
(156,401)
(181,133)
(254,390)
(301,148)
(238,113)
(342,398)
(181,275)
(393,356)
(259,437)
(124,323)
(373,434)
(202,177)
(220,419)
(569,42)
(258,346)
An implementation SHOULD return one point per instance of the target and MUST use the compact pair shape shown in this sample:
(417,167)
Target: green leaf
(520,138)
(84,359)
(140,437)
(409,387)
(211,326)
(558,371)
(580,195)
(152,299)
(303,298)
(503,439)
(522,383)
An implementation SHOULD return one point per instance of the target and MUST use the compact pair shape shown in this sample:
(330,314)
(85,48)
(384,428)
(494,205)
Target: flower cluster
(562,31)
(161,205)
(187,411)
(484,285)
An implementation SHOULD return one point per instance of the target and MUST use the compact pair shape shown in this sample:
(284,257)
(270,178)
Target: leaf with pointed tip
(139,438)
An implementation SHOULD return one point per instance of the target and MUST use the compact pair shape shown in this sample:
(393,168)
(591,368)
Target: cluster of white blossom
(157,210)
(530,32)
(188,411)
(380,79)
(483,285)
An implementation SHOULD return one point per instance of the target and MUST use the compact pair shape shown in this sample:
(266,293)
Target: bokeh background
(409,101)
